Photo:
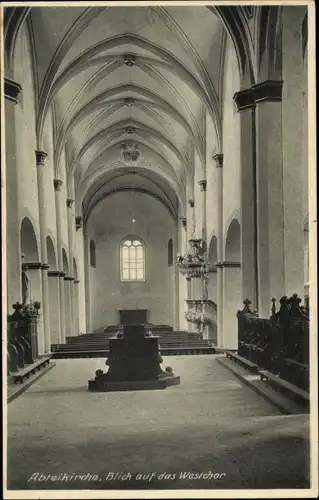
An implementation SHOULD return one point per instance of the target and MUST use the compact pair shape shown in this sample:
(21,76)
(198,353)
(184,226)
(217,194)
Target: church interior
(156,195)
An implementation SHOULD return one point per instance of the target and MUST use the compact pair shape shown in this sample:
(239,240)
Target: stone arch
(51,255)
(31,273)
(65,263)
(232,243)
(232,285)
(29,241)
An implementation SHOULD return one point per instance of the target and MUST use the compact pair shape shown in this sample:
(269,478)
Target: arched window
(170,252)
(92,254)
(132,260)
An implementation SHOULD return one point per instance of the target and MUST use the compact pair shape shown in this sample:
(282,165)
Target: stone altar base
(134,364)
(101,385)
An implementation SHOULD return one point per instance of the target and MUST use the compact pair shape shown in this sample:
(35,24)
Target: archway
(232,285)
(54,293)
(76,298)
(31,273)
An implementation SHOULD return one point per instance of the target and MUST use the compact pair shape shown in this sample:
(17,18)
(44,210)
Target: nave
(210,423)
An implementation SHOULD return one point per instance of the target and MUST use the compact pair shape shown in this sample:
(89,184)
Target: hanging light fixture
(133,214)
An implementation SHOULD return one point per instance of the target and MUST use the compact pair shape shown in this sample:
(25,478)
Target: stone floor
(155,439)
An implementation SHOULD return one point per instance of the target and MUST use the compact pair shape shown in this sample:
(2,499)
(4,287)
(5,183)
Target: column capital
(203,185)
(11,90)
(69,202)
(244,99)
(69,278)
(191,202)
(76,281)
(78,222)
(227,263)
(45,266)
(54,274)
(266,91)
(219,159)
(31,265)
(57,184)
(183,221)
(40,156)
(269,90)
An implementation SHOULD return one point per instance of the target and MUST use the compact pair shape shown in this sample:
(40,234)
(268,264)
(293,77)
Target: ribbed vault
(121,76)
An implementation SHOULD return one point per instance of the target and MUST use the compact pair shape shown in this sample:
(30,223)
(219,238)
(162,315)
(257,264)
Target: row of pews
(276,348)
(97,344)
(23,359)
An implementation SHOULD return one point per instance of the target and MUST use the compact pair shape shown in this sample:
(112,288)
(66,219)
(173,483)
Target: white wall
(26,137)
(109,222)
(231,139)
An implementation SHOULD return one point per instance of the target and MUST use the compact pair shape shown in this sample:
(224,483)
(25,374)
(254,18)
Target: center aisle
(209,424)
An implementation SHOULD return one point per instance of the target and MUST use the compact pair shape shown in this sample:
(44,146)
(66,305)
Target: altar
(133,363)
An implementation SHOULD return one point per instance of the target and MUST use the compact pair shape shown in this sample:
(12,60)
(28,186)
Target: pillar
(76,306)
(54,294)
(218,158)
(294,140)
(182,279)
(248,187)
(270,202)
(40,160)
(87,279)
(10,196)
(69,203)
(68,284)
(57,188)
(231,303)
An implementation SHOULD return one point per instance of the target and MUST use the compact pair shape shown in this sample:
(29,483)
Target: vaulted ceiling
(128,77)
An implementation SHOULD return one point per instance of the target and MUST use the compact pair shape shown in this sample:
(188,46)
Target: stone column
(57,187)
(40,159)
(69,203)
(248,238)
(270,203)
(68,285)
(231,302)
(87,279)
(54,293)
(76,306)
(203,185)
(10,195)
(219,206)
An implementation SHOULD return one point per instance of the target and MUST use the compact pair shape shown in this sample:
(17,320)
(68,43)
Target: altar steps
(97,344)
